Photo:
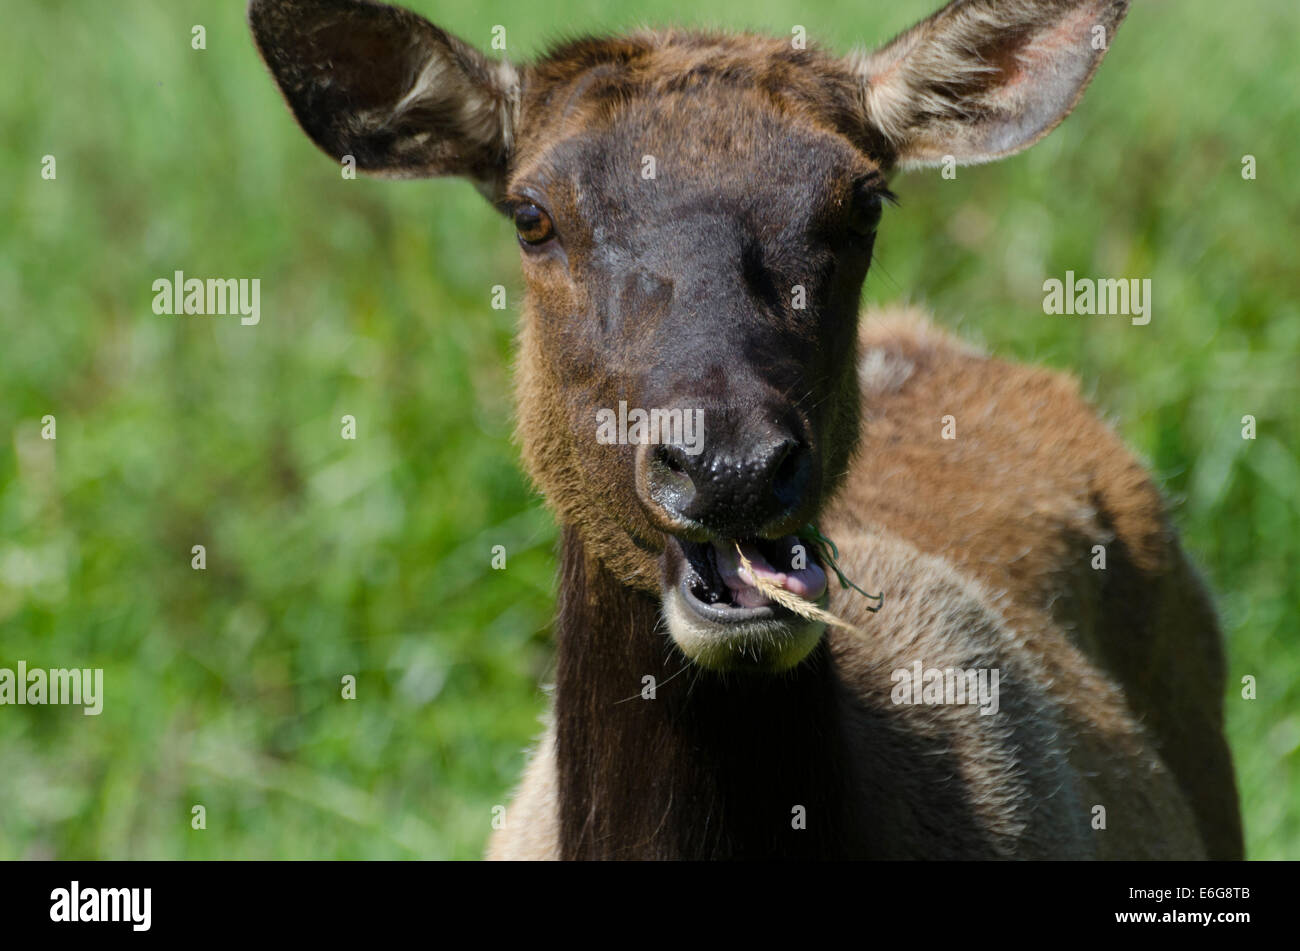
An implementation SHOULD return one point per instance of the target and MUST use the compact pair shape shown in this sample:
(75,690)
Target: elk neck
(713,766)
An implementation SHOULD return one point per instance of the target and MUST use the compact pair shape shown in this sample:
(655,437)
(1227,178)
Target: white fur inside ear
(980,80)
(508,83)
(484,115)
(898,83)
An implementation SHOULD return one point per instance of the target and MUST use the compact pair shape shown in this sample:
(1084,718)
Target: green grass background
(372,557)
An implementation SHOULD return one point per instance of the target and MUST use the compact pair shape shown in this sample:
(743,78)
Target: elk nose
(731,494)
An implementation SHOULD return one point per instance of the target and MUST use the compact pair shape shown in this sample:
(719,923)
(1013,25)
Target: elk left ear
(982,79)
(404,98)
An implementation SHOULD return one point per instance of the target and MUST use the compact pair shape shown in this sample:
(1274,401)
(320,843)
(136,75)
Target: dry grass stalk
(788,599)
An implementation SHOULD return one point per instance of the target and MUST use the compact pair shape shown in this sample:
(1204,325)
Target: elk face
(696,215)
(694,238)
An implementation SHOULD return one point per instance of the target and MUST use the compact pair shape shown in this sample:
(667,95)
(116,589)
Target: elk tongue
(808,582)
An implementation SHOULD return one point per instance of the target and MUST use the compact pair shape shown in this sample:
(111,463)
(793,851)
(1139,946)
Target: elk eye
(864,217)
(533,224)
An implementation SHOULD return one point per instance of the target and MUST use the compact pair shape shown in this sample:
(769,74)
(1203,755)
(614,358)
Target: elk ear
(389,88)
(982,79)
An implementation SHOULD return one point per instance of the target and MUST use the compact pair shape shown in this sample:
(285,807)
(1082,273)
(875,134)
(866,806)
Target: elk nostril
(669,458)
(668,481)
(790,477)
(730,494)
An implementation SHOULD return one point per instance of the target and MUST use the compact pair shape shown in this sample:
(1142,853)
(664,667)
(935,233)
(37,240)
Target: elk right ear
(984,78)
(389,88)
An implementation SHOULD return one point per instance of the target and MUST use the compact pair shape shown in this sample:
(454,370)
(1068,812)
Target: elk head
(696,215)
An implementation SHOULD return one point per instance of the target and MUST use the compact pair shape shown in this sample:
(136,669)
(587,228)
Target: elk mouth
(721,619)
(724,590)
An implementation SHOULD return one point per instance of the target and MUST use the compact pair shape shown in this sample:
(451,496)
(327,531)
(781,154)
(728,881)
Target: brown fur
(982,545)
(674,291)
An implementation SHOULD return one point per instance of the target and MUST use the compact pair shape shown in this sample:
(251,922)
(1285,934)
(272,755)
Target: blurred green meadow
(372,557)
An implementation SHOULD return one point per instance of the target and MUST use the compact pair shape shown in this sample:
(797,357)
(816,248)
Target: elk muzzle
(744,492)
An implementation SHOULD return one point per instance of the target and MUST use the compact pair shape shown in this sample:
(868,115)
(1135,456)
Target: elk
(766,734)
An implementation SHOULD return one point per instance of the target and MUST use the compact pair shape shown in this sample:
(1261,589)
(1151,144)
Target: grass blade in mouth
(790,600)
